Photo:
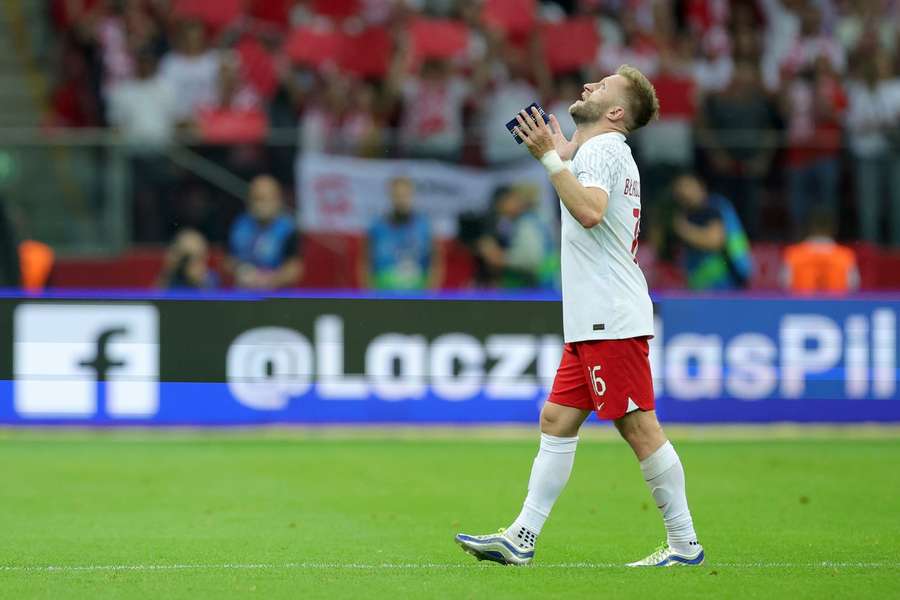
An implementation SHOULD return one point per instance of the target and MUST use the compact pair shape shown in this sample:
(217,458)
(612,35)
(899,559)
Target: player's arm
(586,204)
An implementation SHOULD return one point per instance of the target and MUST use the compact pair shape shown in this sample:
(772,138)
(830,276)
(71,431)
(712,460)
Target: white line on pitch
(414,566)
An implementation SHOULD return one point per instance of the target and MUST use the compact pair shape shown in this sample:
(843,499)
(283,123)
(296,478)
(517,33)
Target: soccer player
(607,319)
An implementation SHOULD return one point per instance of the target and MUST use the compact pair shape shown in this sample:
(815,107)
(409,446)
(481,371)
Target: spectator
(516,249)
(818,264)
(344,119)
(400,253)
(568,90)
(432,103)
(814,104)
(192,69)
(264,243)
(715,251)
(144,109)
(186,264)
(813,45)
(747,45)
(737,133)
(713,70)
(111,32)
(234,123)
(74,100)
(782,22)
(705,15)
(861,19)
(714,47)
(232,92)
(667,144)
(639,47)
(512,91)
(873,110)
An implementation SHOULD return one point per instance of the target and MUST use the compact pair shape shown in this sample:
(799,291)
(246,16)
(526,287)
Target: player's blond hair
(643,105)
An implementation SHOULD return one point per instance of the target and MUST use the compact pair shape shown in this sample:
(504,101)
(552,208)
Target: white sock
(665,476)
(549,475)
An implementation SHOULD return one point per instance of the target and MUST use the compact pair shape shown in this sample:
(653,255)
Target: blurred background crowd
(179,122)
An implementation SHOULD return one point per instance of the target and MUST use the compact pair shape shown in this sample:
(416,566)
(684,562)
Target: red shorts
(610,377)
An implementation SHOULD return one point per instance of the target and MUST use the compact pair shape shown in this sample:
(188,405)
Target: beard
(584,112)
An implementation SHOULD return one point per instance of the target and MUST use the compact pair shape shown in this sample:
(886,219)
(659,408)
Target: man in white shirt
(607,319)
(511,90)
(872,116)
(144,108)
(192,69)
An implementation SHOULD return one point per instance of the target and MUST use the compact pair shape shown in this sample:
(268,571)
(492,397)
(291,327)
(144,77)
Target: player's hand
(566,148)
(535,133)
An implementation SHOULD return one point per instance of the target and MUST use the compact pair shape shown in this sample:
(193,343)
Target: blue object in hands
(511,125)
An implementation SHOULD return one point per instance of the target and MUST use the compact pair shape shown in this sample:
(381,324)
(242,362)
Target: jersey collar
(616,135)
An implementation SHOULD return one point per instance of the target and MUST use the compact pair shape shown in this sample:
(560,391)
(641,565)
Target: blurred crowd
(788,110)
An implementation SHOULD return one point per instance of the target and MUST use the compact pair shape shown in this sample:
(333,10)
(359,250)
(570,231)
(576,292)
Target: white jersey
(604,292)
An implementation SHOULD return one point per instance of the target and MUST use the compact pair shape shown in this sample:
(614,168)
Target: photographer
(186,265)
(515,248)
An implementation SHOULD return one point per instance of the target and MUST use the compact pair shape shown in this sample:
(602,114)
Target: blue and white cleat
(497,547)
(666,557)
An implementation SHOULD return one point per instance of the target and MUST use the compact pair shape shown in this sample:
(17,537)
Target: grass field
(255,515)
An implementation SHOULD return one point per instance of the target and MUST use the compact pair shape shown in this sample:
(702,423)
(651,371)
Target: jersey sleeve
(601,167)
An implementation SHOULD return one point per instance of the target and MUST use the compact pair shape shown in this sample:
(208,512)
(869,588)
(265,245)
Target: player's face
(597,99)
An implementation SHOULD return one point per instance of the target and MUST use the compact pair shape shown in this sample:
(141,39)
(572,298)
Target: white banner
(343,194)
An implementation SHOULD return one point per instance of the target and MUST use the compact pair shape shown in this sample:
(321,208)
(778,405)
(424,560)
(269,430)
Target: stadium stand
(307,68)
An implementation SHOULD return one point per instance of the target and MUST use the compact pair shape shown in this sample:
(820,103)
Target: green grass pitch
(258,515)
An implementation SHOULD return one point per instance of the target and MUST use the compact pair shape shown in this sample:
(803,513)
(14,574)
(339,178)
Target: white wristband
(552,162)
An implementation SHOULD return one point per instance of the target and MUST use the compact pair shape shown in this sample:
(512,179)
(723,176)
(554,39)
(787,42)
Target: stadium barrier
(234,359)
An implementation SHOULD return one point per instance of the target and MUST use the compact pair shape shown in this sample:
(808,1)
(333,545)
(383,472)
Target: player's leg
(549,475)
(664,475)
(562,416)
(551,469)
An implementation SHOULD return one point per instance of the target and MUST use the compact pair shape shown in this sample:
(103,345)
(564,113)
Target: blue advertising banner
(761,360)
(320,358)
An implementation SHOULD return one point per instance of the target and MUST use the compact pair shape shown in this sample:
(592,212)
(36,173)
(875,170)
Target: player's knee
(627,429)
(549,422)
(554,423)
(639,428)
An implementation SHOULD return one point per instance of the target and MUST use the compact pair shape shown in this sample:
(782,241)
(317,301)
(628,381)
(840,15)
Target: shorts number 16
(599,384)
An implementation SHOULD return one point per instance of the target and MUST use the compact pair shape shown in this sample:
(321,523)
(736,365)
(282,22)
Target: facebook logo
(86,361)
